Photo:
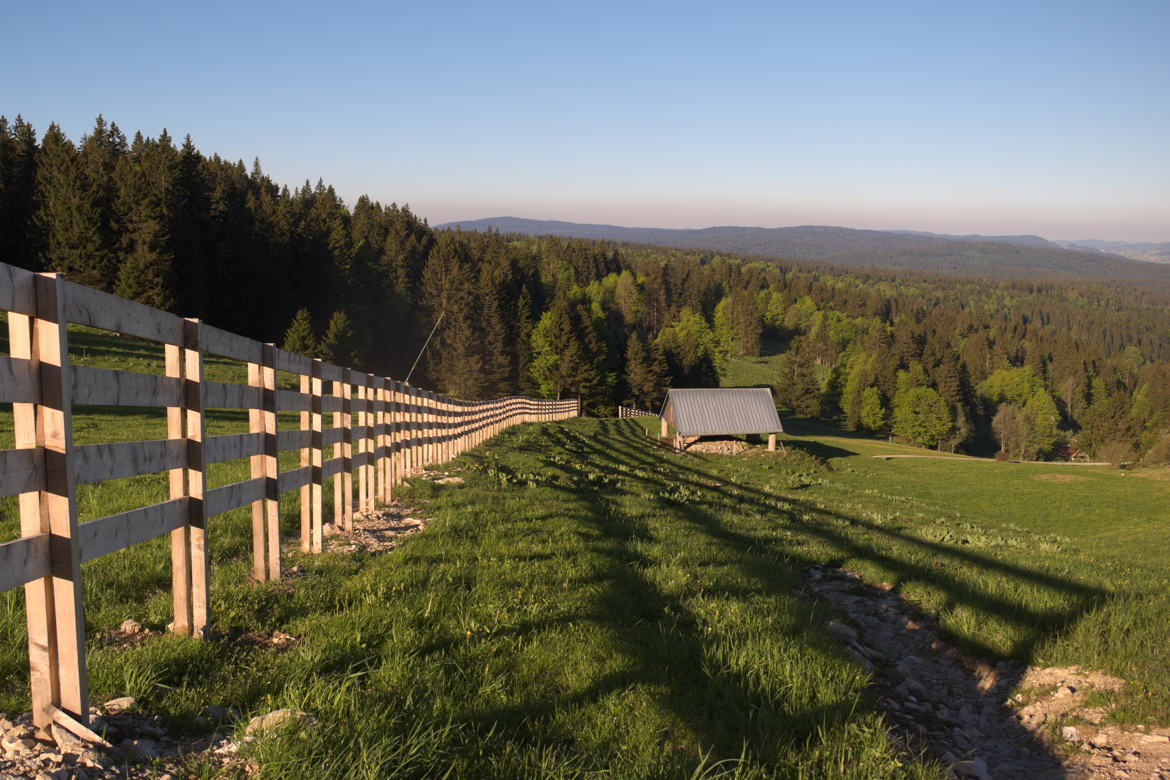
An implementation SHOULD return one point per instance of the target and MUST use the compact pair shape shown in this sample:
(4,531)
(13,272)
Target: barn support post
(665,433)
(771,442)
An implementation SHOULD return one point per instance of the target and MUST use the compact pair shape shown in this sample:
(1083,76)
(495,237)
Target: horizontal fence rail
(366,433)
(630,411)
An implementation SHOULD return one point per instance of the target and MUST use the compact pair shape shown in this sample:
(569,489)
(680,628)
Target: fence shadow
(770,564)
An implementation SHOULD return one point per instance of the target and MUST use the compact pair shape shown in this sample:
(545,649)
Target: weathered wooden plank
(17,290)
(21,471)
(331,436)
(100,462)
(19,381)
(24,560)
(87,306)
(292,401)
(331,373)
(221,342)
(293,440)
(331,467)
(116,532)
(233,446)
(103,387)
(238,494)
(225,395)
(292,362)
(294,478)
(330,403)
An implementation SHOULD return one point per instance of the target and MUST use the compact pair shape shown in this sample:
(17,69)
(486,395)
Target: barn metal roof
(721,411)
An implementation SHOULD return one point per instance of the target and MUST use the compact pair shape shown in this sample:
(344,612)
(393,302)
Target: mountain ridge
(1016,256)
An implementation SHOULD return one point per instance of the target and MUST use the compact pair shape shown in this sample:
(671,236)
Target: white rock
(279,719)
(1071,733)
(976,768)
(115,706)
(130,627)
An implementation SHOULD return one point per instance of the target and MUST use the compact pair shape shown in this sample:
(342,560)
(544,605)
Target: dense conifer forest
(1034,369)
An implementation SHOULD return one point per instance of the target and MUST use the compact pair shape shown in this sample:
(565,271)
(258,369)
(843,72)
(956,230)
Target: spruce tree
(18,194)
(338,343)
(299,337)
(66,218)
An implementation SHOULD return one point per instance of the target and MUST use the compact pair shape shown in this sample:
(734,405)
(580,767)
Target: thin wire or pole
(424,346)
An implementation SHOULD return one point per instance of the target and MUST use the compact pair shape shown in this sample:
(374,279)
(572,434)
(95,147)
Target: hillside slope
(1017,256)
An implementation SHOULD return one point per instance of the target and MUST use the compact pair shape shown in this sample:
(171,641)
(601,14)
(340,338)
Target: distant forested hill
(1149,252)
(1015,256)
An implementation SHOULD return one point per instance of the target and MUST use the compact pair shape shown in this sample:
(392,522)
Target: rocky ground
(718,447)
(997,721)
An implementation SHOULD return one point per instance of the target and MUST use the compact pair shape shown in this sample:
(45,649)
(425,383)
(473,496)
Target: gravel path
(984,721)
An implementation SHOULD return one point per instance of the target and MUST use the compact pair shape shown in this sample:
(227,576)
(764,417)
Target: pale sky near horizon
(958,117)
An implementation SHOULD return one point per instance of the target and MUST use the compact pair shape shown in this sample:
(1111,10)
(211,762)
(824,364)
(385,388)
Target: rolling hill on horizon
(1016,256)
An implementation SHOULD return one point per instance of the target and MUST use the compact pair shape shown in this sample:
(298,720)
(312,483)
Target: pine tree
(645,373)
(18,194)
(800,387)
(145,276)
(338,343)
(66,218)
(299,337)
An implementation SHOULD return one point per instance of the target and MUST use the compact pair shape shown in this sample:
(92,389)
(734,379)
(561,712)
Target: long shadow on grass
(657,639)
(622,447)
(766,561)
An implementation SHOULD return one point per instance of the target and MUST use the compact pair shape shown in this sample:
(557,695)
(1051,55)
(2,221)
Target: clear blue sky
(990,117)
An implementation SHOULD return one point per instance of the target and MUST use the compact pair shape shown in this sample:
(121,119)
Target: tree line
(1029,369)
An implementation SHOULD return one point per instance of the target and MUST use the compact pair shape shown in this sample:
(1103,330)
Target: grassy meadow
(588,603)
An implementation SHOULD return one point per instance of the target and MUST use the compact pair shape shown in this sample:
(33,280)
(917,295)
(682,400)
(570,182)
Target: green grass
(763,371)
(587,603)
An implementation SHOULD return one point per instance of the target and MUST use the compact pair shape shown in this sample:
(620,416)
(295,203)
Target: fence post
(312,540)
(343,479)
(177,479)
(394,421)
(266,512)
(197,514)
(56,627)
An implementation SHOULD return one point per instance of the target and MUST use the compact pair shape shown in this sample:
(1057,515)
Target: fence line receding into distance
(379,431)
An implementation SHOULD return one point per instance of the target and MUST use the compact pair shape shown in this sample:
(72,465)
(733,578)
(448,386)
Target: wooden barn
(720,411)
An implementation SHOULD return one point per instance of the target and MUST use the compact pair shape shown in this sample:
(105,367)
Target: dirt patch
(719,447)
(379,531)
(1161,474)
(1061,477)
(983,720)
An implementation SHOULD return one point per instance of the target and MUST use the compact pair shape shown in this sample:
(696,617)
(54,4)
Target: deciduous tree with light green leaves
(872,412)
(921,415)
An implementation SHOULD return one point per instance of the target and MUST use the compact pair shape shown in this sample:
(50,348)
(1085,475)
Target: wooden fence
(381,431)
(630,411)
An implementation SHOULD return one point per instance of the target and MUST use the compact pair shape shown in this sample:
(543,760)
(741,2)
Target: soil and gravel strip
(1006,720)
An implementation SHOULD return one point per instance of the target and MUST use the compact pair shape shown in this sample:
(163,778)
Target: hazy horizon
(994,118)
(796,224)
